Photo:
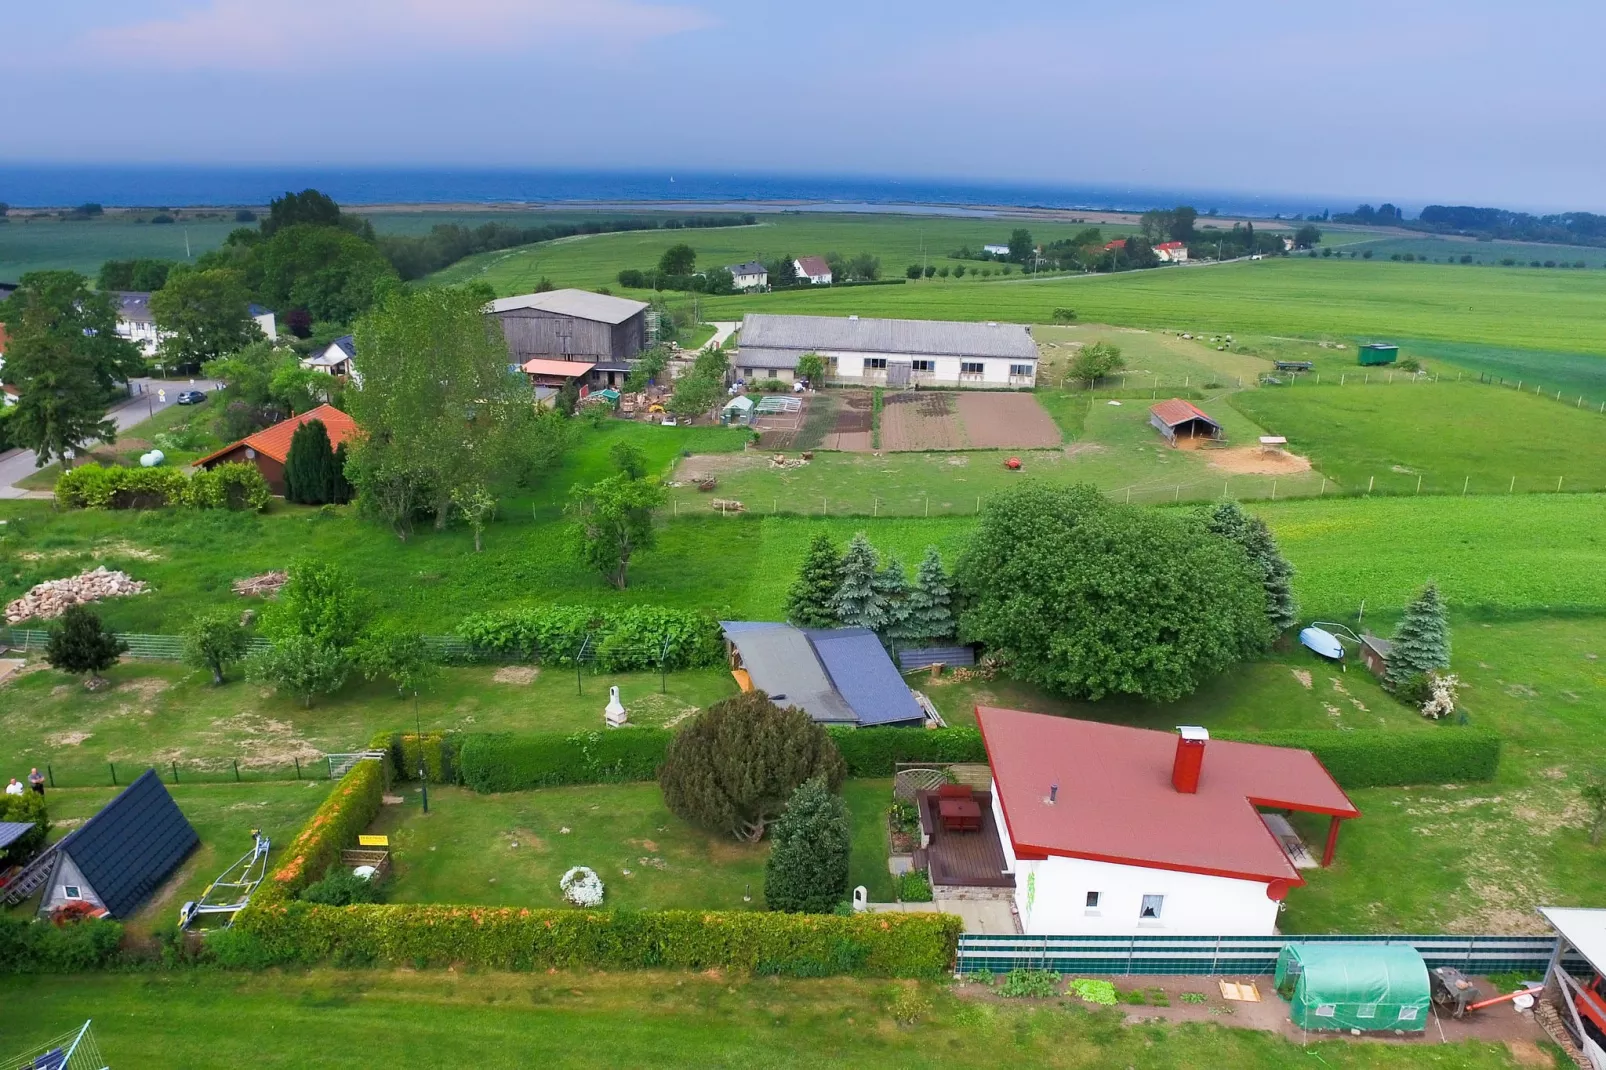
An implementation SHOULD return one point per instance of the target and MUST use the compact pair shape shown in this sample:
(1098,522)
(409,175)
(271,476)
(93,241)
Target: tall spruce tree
(857,603)
(930,605)
(892,588)
(808,603)
(807,872)
(309,470)
(1229,519)
(1421,642)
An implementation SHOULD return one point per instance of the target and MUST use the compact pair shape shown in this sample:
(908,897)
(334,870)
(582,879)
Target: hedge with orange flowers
(510,938)
(348,810)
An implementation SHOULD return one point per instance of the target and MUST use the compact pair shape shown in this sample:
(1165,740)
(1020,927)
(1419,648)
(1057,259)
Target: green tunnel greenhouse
(1372,987)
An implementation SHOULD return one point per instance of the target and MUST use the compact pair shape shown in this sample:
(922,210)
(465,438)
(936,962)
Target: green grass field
(1514,307)
(596,260)
(320,1018)
(41,244)
(1442,437)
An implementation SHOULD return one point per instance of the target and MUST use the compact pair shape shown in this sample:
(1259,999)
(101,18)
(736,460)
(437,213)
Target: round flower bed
(582,887)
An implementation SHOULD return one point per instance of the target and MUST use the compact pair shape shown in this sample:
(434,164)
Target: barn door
(900,372)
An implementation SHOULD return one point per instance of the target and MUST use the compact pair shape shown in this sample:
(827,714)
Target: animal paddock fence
(1231,955)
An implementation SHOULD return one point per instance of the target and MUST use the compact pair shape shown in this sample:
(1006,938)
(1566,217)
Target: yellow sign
(373,841)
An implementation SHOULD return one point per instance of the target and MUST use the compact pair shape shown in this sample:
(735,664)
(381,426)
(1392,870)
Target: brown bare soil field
(1000,421)
(1252,460)
(850,431)
(922,420)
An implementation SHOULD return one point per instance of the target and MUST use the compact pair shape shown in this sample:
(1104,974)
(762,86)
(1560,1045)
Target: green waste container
(1379,353)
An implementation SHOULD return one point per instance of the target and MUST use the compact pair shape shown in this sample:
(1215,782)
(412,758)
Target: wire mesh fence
(71,772)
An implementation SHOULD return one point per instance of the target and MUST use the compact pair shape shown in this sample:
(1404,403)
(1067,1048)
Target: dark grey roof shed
(129,848)
(12,831)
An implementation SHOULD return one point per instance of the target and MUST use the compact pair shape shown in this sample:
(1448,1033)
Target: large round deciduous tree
(1091,598)
(735,765)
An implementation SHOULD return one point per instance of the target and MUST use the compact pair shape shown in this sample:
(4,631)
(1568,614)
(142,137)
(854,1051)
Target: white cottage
(749,276)
(1110,830)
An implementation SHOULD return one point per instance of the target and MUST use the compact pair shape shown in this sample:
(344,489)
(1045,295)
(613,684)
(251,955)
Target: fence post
(1419,484)
(1513,488)
(175,772)
(113,768)
(1369,482)
(51,773)
(331,762)
(1558,484)
(236,770)
(1464,485)
(298,766)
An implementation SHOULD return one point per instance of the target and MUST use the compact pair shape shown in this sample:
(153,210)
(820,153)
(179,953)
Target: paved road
(722,331)
(19,464)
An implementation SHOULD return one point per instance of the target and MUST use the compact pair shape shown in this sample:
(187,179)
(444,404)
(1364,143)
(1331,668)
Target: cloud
(280,35)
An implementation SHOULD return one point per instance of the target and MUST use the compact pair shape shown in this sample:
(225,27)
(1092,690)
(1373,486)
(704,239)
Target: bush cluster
(28,945)
(876,752)
(402,754)
(512,938)
(517,762)
(344,814)
(235,485)
(26,807)
(1378,758)
(624,638)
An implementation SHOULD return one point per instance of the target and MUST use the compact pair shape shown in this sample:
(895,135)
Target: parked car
(192,397)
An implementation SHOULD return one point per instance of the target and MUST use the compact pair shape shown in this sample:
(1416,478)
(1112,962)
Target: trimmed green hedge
(519,761)
(509,938)
(1376,758)
(29,945)
(235,485)
(349,809)
(624,638)
(401,748)
(1363,759)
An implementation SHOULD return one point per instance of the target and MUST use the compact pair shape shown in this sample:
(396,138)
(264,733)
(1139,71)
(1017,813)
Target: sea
(61,186)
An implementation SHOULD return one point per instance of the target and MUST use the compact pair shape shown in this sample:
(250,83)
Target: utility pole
(423,769)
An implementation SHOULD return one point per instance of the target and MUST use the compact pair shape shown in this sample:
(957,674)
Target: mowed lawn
(159,713)
(329,1018)
(1340,301)
(511,849)
(1444,437)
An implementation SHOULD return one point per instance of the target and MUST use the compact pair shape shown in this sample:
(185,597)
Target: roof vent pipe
(1185,768)
(1053,792)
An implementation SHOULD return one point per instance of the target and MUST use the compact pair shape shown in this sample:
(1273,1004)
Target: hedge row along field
(350,808)
(236,485)
(1365,758)
(508,938)
(622,638)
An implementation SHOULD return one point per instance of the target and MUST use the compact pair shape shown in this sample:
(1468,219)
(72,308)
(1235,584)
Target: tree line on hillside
(1487,224)
(677,270)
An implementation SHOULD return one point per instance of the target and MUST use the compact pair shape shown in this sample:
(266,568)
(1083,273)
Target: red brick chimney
(1185,768)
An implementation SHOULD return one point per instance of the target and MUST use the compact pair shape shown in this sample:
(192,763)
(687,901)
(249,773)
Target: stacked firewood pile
(264,586)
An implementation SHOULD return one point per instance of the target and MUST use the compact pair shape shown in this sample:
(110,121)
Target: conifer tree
(1421,642)
(930,605)
(808,603)
(807,870)
(342,486)
(309,467)
(1229,519)
(856,603)
(892,588)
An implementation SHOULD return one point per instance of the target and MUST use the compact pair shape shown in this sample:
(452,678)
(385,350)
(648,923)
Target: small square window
(1366,1010)
(72,891)
(1407,1014)
(875,362)
(1092,900)
(970,367)
(1152,905)
(1020,369)
(1327,1010)
(925,366)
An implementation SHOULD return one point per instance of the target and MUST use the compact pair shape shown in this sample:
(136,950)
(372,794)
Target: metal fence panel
(1203,955)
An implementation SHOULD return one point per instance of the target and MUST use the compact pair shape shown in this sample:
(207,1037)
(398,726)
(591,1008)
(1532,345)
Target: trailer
(230,893)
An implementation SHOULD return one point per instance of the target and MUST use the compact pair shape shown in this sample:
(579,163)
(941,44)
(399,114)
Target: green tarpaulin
(1354,986)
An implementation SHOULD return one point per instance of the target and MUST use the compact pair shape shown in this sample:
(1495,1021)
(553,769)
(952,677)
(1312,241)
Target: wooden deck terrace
(966,859)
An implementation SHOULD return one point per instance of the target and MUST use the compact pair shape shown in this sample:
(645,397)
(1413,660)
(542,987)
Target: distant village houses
(1172,252)
(749,276)
(813,268)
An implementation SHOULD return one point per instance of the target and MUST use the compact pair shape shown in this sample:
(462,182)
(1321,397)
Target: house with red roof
(269,448)
(813,268)
(1111,830)
(1172,252)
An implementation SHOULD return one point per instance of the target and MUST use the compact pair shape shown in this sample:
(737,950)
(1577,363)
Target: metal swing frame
(231,891)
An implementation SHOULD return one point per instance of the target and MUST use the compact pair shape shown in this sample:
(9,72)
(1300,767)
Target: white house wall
(850,367)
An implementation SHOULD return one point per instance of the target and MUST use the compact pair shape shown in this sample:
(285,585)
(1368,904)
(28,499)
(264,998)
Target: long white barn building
(893,353)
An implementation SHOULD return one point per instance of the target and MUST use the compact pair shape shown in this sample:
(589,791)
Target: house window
(1366,1010)
(72,891)
(1092,900)
(1152,905)
(1327,1010)
(1020,369)
(771,373)
(748,372)
(1407,1014)
(925,365)
(970,367)
(875,362)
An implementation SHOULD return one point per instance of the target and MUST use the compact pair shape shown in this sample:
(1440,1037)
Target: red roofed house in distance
(1110,830)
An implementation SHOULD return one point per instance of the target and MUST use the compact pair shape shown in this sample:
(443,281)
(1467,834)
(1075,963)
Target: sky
(1451,101)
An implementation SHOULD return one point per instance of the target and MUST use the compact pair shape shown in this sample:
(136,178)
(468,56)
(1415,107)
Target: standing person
(36,781)
(15,787)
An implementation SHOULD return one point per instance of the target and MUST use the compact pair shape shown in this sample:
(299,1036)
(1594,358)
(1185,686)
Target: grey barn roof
(753,357)
(914,337)
(836,676)
(128,849)
(752,267)
(581,304)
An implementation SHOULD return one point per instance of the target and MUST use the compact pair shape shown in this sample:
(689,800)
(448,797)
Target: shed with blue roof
(836,676)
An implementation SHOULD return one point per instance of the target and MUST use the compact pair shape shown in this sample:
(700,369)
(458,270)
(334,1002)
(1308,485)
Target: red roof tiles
(1116,802)
(274,441)
(1176,411)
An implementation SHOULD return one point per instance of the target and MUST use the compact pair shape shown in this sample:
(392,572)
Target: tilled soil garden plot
(851,430)
(921,421)
(999,421)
